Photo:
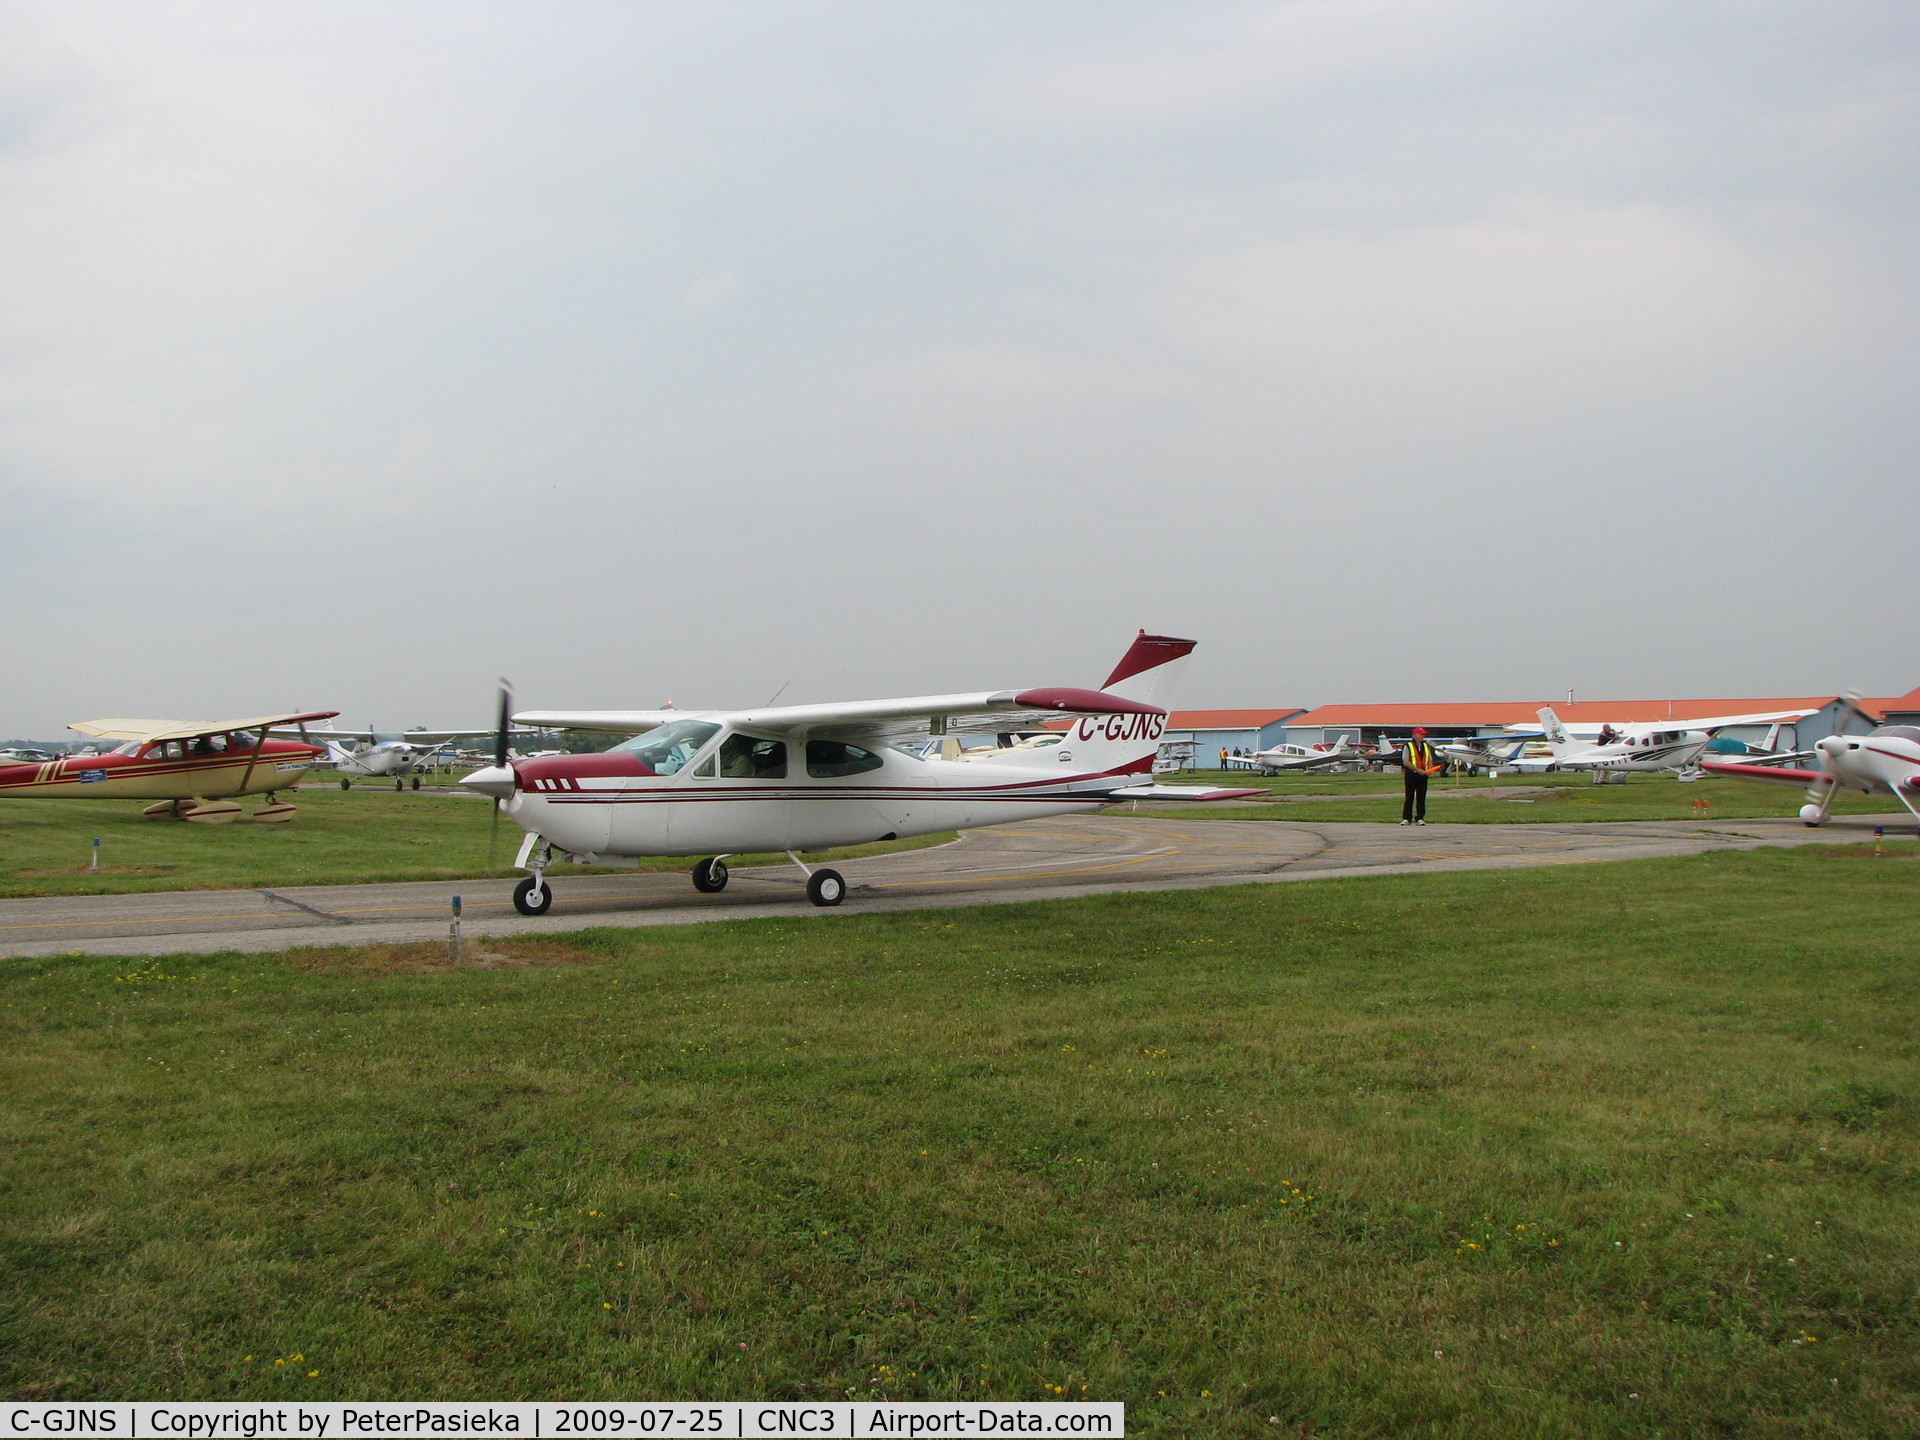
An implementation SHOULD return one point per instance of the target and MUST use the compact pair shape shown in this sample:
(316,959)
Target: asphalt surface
(1038,859)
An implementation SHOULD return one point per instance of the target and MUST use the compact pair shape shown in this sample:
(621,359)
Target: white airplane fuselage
(1661,750)
(389,757)
(686,814)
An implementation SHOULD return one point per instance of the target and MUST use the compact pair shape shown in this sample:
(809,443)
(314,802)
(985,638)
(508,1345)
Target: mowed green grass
(339,838)
(1536,799)
(1588,1151)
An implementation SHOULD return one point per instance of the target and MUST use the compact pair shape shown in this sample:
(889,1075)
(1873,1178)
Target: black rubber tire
(398,783)
(345,783)
(710,876)
(416,782)
(529,900)
(826,887)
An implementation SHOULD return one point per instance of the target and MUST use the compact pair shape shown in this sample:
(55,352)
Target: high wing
(1721,722)
(126,729)
(878,720)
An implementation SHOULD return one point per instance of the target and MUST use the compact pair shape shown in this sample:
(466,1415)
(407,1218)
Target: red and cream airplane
(1885,760)
(189,767)
(809,777)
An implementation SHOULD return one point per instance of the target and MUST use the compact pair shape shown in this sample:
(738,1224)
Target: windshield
(670,747)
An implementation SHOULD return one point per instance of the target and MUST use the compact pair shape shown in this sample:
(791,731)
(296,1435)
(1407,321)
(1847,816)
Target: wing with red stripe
(1764,772)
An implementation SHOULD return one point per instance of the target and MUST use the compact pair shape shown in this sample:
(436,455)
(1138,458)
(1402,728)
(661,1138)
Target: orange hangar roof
(1524,712)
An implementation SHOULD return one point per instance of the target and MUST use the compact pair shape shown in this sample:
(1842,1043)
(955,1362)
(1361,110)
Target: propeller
(500,759)
(506,720)
(1851,702)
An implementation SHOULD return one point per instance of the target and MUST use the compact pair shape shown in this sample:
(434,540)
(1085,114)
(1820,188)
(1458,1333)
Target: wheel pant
(1414,806)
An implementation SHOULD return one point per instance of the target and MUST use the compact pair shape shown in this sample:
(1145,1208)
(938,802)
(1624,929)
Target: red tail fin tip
(1147,652)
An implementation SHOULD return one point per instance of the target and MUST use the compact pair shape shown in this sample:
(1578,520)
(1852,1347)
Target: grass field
(339,838)
(1532,798)
(1616,1150)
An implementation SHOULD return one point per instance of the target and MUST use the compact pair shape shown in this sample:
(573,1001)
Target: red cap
(1419,729)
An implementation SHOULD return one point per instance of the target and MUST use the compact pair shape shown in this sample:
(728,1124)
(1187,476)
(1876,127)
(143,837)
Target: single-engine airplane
(1887,759)
(189,767)
(383,756)
(1479,753)
(1635,749)
(1295,757)
(716,783)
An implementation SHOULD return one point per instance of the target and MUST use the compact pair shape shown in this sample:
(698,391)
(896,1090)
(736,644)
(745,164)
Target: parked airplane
(1479,752)
(383,756)
(1636,748)
(808,777)
(1885,759)
(1295,757)
(185,765)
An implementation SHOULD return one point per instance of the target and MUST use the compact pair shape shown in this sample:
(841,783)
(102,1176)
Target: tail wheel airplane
(191,768)
(793,778)
(1885,760)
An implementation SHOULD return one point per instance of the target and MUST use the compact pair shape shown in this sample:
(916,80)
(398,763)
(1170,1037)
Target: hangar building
(1367,725)
(1211,731)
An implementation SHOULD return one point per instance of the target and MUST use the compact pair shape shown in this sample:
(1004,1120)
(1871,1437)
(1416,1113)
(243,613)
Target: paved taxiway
(1068,856)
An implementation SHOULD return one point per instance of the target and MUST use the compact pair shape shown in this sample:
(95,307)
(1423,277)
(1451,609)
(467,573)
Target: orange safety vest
(1418,755)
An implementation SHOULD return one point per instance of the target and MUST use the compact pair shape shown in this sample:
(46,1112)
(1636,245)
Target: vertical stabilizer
(1150,671)
(1119,744)
(1556,733)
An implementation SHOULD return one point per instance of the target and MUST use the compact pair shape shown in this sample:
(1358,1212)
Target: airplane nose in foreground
(495,780)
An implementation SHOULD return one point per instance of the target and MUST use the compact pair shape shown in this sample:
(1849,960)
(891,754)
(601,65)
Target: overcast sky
(352,355)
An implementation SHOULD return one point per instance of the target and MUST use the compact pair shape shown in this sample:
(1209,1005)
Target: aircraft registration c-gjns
(787,778)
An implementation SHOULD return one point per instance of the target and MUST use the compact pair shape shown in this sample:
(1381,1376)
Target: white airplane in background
(1886,759)
(716,783)
(1478,753)
(1638,749)
(1295,757)
(1669,745)
(383,756)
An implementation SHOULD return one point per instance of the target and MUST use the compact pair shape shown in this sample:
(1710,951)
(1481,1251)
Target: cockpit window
(1900,732)
(668,749)
(828,759)
(748,757)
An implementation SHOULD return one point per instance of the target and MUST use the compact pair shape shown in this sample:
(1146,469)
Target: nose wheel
(710,876)
(532,896)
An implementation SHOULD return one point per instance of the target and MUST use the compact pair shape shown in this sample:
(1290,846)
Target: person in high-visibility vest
(1418,765)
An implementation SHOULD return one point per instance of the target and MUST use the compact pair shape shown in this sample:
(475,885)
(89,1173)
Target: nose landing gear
(532,896)
(710,876)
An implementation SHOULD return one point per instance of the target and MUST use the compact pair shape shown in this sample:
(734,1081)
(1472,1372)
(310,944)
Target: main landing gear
(824,887)
(1819,801)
